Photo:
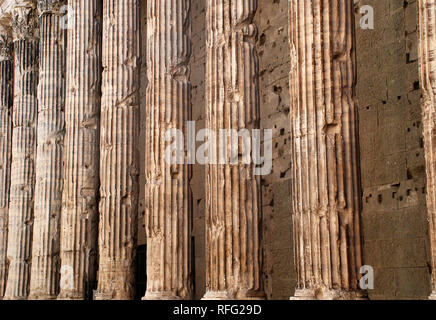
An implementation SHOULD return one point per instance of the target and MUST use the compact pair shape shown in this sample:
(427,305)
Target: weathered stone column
(427,51)
(119,168)
(325,161)
(25,31)
(44,281)
(6,99)
(233,208)
(168,195)
(79,220)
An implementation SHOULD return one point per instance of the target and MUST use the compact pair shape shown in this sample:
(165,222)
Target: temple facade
(232,149)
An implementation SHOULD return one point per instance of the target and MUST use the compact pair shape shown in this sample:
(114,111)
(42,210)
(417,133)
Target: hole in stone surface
(262,39)
(409,174)
(277,89)
(380,198)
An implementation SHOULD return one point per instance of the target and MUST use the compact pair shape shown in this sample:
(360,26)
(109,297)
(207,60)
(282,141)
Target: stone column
(79,219)
(119,167)
(44,281)
(168,195)
(6,99)
(427,51)
(25,31)
(325,160)
(233,208)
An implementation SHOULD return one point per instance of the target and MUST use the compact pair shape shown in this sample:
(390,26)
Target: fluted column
(427,51)
(168,196)
(44,281)
(233,209)
(119,150)
(325,161)
(6,76)
(25,32)
(79,219)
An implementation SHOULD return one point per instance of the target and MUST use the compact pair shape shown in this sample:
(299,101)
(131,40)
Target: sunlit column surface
(325,161)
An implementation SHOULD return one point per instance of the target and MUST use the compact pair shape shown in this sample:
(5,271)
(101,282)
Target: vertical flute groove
(168,107)
(44,282)
(20,225)
(79,219)
(118,150)
(427,64)
(325,164)
(233,209)
(6,101)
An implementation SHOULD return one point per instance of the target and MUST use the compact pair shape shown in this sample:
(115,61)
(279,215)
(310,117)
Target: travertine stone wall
(44,282)
(168,205)
(198,72)
(26,45)
(6,99)
(394,217)
(143,80)
(273,46)
(119,155)
(79,222)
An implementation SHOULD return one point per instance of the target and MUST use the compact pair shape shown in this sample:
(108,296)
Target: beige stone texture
(168,199)
(427,50)
(325,162)
(79,217)
(22,188)
(44,280)
(201,255)
(394,215)
(119,156)
(232,196)
(6,99)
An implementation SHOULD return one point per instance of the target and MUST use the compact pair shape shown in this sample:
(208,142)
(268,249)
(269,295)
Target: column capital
(5,43)
(25,21)
(50,6)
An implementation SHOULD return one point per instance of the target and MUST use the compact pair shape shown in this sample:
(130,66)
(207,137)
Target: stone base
(217,295)
(224,295)
(73,296)
(328,294)
(101,296)
(114,295)
(432,296)
(15,298)
(42,297)
(161,296)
